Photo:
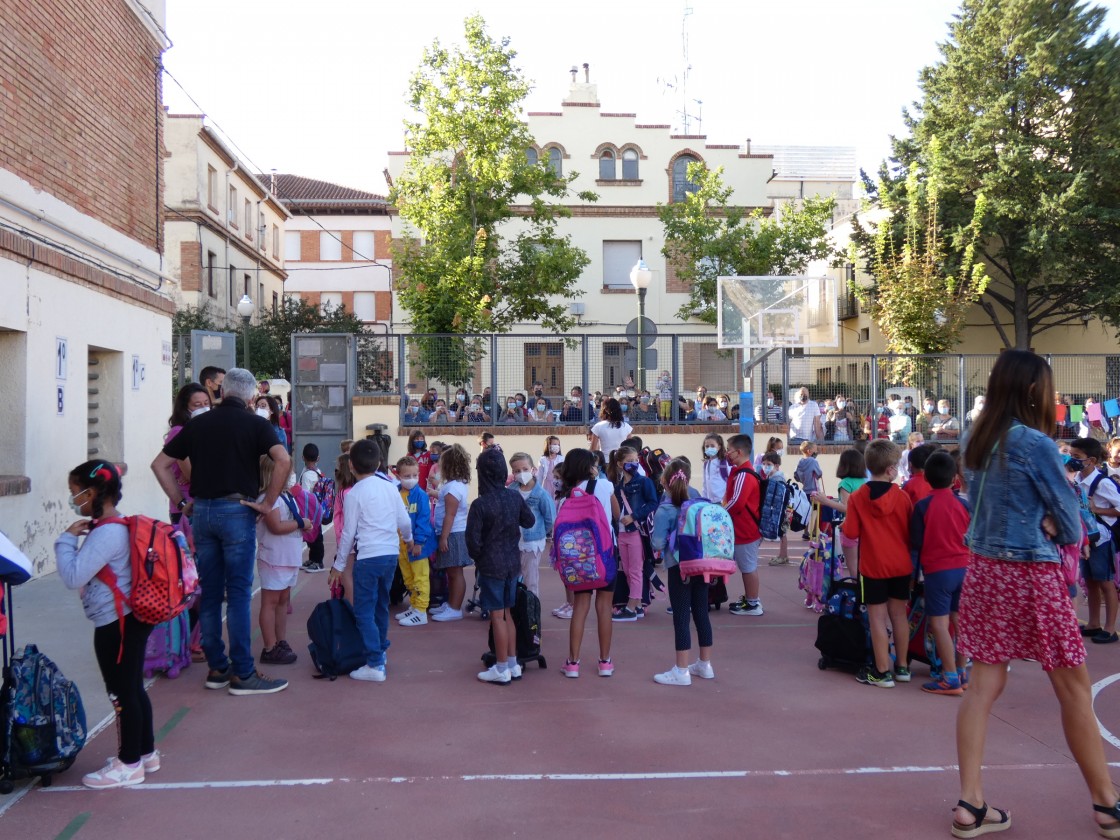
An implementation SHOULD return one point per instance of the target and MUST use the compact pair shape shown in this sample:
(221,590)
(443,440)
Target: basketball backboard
(770,312)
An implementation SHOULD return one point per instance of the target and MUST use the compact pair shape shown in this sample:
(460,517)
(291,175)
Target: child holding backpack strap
(687,597)
(852,472)
(95,491)
(636,498)
(580,473)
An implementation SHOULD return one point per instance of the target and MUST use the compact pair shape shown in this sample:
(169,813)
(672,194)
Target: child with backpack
(879,517)
(279,551)
(1100,568)
(636,498)
(344,480)
(413,560)
(852,472)
(771,469)
(494,524)
(95,492)
(808,471)
(375,520)
(937,529)
(307,480)
(688,597)
(536,537)
(916,487)
(563,611)
(743,501)
(717,468)
(586,498)
(451,526)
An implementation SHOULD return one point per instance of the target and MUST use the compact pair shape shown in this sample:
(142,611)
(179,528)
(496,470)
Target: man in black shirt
(224,447)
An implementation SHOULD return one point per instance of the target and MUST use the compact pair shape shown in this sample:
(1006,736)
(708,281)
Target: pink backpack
(582,545)
(304,505)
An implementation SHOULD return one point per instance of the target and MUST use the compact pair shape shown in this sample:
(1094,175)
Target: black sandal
(980,827)
(1112,829)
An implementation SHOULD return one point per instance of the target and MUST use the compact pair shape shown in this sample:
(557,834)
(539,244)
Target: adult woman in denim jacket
(1014,604)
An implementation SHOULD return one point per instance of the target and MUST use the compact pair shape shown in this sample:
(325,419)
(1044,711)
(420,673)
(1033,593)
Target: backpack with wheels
(843,634)
(526,615)
(169,647)
(325,491)
(582,543)
(704,541)
(336,646)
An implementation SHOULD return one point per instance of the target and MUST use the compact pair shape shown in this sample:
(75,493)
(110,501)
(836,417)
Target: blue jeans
(373,577)
(225,540)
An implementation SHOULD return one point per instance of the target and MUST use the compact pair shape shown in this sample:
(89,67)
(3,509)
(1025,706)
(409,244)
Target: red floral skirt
(1016,610)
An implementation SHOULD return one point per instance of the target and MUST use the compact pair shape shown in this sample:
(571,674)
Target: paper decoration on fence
(1112,408)
(1093,412)
(1061,412)
(1076,413)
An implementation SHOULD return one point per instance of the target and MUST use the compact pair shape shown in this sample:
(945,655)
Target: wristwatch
(182,504)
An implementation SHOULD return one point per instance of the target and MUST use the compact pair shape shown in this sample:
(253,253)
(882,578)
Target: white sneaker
(150,761)
(514,671)
(674,676)
(115,774)
(437,610)
(493,675)
(404,614)
(448,615)
(369,674)
(702,669)
(563,611)
(413,618)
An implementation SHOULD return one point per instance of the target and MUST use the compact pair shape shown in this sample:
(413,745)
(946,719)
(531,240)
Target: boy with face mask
(413,562)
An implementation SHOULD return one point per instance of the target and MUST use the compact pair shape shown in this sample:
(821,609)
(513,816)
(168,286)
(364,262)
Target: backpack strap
(108,577)
(291,503)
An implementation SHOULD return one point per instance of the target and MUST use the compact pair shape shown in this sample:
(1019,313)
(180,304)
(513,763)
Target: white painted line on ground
(568,777)
(1097,688)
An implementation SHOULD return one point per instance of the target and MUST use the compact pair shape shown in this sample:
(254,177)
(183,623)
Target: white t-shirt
(604,492)
(715,481)
(279,549)
(457,489)
(801,419)
(611,438)
(1106,495)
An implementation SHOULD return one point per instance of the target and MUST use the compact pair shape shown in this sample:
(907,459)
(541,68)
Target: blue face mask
(625,408)
(631,468)
(419,444)
(435,457)
(520,403)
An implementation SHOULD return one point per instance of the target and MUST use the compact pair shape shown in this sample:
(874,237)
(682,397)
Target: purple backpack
(303,506)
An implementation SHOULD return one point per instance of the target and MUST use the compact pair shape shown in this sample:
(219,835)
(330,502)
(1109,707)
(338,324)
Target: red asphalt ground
(431,751)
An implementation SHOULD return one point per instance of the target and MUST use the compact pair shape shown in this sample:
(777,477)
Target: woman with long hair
(1014,604)
(611,430)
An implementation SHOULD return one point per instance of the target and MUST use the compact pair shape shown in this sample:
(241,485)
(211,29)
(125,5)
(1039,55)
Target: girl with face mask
(418,449)
(637,499)
(551,458)
(535,541)
(716,468)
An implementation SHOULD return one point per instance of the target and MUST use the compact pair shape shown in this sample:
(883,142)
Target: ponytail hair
(676,478)
(103,479)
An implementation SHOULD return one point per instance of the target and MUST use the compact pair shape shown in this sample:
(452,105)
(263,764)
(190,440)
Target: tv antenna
(679,83)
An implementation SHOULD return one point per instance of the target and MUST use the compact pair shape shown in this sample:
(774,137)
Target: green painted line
(74,827)
(175,720)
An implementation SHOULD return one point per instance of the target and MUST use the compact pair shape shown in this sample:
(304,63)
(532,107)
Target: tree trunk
(1023,332)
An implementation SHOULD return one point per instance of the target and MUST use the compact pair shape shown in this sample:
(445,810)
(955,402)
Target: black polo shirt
(225,446)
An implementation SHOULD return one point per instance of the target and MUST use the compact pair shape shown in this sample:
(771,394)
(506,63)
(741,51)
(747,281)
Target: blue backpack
(775,500)
(44,722)
(336,646)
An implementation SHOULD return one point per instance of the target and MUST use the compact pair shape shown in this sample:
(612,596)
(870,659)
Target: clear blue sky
(318,89)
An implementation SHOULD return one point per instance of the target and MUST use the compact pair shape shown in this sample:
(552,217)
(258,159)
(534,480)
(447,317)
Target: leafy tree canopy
(1019,126)
(706,237)
(270,341)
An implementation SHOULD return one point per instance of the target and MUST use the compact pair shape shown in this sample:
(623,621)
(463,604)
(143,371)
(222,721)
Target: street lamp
(245,310)
(640,277)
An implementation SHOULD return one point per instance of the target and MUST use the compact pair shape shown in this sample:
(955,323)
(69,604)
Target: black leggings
(686,598)
(125,683)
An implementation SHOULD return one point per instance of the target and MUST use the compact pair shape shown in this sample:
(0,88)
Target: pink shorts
(276,578)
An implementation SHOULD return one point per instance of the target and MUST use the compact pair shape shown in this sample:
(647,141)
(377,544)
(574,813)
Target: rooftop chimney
(586,73)
(582,93)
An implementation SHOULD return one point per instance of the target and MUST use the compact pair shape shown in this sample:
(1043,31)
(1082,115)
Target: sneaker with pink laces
(115,774)
(570,669)
(606,668)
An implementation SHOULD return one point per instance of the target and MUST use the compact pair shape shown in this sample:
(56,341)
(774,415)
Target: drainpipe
(229,277)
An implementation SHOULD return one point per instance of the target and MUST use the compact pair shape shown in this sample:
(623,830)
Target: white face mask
(200,410)
(409,483)
(554,448)
(711,451)
(841,405)
(264,412)
(943,409)
(525,477)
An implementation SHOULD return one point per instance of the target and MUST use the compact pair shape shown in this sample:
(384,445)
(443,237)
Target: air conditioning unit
(577,308)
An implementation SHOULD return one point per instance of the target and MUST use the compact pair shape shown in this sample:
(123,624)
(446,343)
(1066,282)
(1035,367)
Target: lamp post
(640,277)
(245,310)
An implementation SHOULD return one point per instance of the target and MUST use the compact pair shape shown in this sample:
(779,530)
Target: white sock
(511,661)
(679,670)
(502,667)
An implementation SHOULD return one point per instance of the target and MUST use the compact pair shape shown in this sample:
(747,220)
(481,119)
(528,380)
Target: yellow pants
(666,407)
(414,570)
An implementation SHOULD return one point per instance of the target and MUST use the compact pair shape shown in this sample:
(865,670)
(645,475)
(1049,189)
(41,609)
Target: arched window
(606,166)
(682,186)
(531,156)
(556,161)
(630,165)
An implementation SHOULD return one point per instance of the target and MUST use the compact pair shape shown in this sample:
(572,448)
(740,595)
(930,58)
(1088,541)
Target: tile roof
(299,193)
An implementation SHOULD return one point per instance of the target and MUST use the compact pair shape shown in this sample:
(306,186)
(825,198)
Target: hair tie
(678,474)
(102,471)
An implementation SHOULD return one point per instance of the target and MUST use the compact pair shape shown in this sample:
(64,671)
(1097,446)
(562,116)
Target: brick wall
(190,266)
(81,115)
(309,246)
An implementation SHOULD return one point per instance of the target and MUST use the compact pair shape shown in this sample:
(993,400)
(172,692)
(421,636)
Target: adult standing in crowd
(191,401)
(611,430)
(224,447)
(211,379)
(1015,604)
(804,419)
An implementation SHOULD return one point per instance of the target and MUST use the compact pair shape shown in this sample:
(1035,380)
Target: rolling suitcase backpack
(526,615)
(169,647)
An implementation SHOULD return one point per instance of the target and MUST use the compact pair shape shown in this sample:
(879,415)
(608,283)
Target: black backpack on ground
(843,636)
(336,645)
(526,615)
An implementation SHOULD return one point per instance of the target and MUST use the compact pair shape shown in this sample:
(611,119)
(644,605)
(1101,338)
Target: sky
(318,89)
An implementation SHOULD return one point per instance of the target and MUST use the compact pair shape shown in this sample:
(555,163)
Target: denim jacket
(1022,483)
(540,503)
(664,523)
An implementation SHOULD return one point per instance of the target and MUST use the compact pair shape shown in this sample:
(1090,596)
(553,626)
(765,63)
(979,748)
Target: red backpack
(164,577)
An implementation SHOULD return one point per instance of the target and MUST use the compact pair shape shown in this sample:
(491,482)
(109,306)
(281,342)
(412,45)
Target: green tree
(190,318)
(485,253)
(1019,125)
(706,237)
(270,341)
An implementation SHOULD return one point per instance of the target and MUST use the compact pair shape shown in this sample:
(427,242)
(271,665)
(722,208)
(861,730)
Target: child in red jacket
(879,517)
